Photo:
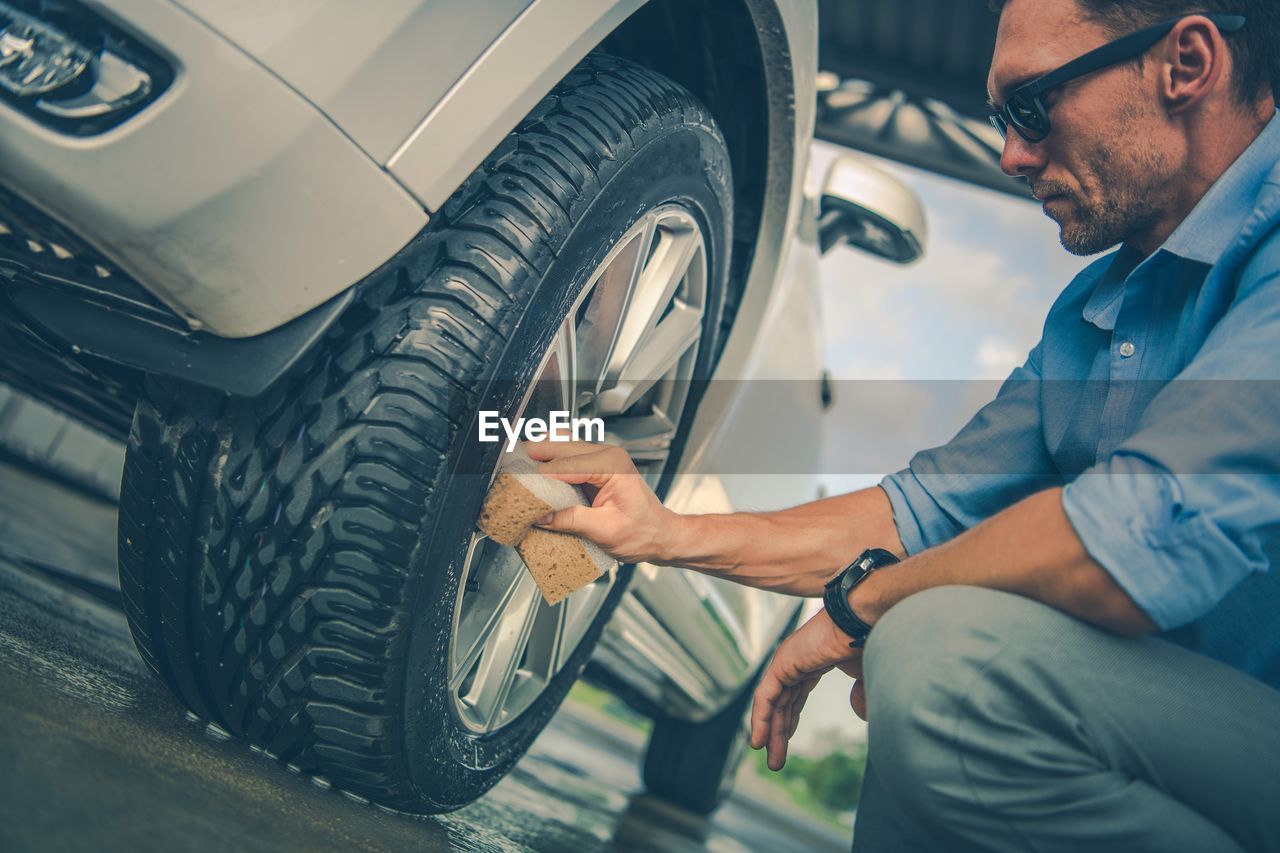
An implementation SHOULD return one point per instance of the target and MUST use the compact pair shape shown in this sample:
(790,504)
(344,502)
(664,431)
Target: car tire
(292,564)
(694,765)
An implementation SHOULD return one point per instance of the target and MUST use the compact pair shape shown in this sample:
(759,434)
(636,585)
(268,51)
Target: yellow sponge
(510,511)
(559,562)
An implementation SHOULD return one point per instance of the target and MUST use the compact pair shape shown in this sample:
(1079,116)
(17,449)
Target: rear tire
(693,765)
(290,564)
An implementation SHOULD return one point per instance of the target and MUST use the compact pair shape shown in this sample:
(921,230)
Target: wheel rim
(625,352)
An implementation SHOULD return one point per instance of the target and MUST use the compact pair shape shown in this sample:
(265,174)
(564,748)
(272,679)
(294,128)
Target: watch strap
(835,595)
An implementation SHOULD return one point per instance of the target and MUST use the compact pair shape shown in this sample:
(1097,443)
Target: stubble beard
(1121,203)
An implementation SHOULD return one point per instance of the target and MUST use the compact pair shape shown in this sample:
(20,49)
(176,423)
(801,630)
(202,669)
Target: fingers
(767,694)
(778,726)
(595,468)
(580,520)
(545,451)
(797,706)
(775,716)
(786,721)
(858,698)
(796,668)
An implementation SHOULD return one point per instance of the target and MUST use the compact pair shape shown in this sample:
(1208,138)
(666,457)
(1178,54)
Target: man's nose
(1021,158)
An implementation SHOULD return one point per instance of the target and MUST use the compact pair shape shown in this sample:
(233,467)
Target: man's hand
(625,518)
(797,666)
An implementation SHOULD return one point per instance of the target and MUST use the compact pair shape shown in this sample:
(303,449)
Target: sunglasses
(1024,109)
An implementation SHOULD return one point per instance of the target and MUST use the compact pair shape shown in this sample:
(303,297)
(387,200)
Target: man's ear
(1194,63)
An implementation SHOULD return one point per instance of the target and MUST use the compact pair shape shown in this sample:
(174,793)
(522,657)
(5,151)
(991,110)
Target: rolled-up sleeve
(1188,505)
(998,458)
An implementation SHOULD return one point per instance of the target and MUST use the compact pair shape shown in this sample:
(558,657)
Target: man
(1116,488)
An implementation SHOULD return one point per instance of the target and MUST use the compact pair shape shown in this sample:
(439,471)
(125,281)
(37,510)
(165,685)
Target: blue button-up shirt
(1153,399)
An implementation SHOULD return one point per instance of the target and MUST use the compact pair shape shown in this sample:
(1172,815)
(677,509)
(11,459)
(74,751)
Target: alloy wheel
(625,353)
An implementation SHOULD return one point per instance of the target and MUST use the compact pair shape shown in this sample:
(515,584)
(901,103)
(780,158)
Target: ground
(97,756)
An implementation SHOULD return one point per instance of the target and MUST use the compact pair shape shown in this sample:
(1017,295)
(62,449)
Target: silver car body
(316,140)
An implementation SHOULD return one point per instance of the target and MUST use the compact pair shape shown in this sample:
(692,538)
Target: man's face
(1104,171)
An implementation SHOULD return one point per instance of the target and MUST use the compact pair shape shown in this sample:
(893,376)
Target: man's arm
(794,550)
(1030,549)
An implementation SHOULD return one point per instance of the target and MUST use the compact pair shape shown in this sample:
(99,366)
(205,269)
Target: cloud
(996,357)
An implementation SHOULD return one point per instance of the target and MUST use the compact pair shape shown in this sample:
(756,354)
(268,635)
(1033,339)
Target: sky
(971,309)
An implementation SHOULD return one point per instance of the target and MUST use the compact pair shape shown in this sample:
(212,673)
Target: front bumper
(229,199)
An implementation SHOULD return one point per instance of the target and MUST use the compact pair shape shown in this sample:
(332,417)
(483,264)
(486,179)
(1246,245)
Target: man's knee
(923,662)
(939,635)
(945,635)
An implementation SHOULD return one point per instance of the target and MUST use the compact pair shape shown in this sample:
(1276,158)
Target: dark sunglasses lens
(998,122)
(1028,116)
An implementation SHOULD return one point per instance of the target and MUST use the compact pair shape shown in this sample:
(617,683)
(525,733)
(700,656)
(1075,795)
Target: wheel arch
(737,56)
(734,56)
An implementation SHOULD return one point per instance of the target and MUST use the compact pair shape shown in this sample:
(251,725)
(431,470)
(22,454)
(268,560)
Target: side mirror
(869,209)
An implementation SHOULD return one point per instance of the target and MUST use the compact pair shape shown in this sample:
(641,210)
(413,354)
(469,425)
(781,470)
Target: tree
(835,779)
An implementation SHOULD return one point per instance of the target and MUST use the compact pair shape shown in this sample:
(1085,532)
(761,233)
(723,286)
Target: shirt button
(1126,349)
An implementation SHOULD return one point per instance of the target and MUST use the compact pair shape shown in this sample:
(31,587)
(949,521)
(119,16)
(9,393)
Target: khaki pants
(997,723)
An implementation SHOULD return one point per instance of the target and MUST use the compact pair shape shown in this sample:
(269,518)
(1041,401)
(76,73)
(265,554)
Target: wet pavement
(95,755)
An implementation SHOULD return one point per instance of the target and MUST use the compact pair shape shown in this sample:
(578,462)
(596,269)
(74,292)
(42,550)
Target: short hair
(1257,69)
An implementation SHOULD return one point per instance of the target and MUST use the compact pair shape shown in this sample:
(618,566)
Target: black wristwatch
(835,595)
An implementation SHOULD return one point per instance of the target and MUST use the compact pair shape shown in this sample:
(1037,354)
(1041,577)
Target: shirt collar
(1213,224)
(1104,303)
(1205,234)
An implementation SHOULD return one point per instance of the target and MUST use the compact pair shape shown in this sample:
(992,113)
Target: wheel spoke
(646,438)
(543,654)
(602,320)
(557,648)
(656,354)
(668,263)
(555,387)
(580,610)
(502,654)
(485,607)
